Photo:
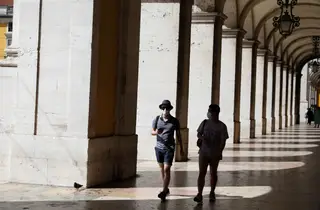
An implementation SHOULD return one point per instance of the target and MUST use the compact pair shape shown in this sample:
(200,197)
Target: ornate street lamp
(315,64)
(286,22)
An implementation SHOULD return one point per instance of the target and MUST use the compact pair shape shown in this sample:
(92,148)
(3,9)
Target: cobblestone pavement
(278,172)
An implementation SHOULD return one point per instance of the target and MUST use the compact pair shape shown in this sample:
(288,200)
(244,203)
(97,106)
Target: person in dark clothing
(310,116)
(163,127)
(212,134)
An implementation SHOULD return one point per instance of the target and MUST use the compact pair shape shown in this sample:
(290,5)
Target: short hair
(214,108)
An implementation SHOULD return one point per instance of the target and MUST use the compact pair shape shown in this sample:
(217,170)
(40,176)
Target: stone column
(237,88)
(158,63)
(269,93)
(183,76)
(265,92)
(261,54)
(283,101)
(277,93)
(303,97)
(200,71)
(297,97)
(86,116)
(280,95)
(216,57)
(274,94)
(230,86)
(292,92)
(245,88)
(12,51)
(112,150)
(287,96)
(253,89)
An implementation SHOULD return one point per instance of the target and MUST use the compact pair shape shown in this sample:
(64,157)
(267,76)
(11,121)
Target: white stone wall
(259,94)
(8,85)
(245,92)
(276,114)
(228,62)
(284,87)
(294,97)
(269,96)
(64,76)
(303,94)
(157,68)
(289,98)
(200,77)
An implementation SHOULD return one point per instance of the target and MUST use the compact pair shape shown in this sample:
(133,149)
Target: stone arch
(282,39)
(273,13)
(301,47)
(302,55)
(296,41)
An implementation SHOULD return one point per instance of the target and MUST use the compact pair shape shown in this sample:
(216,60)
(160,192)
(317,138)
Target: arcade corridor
(277,171)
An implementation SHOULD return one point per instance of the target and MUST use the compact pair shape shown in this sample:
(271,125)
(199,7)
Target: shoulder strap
(156,122)
(204,123)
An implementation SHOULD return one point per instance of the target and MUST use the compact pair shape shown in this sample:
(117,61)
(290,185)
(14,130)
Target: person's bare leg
(162,171)
(167,177)
(203,166)
(214,175)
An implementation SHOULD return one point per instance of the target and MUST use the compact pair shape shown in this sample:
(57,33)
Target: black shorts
(164,156)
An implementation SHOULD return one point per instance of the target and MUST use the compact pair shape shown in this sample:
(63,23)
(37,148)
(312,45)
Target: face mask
(166,112)
(209,115)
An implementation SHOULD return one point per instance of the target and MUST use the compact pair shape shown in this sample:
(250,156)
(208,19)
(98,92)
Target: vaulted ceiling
(256,18)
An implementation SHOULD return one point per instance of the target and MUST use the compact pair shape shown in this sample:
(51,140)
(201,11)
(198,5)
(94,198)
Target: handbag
(199,141)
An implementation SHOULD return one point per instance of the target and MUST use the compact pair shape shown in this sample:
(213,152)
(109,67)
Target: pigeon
(76,185)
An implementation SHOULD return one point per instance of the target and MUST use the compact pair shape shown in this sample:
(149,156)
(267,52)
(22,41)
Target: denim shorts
(164,156)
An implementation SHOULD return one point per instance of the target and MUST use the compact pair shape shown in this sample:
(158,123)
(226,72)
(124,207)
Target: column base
(280,122)
(185,142)
(286,121)
(47,160)
(252,128)
(297,119)
(236,132)
(264,126)
(291,120)
(111,159)
(273,124)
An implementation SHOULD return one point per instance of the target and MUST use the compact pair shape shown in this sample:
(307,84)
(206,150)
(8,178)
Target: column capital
(279,62)
(261,52)
(271,57)
(249,43)
(206,17)
(232,33)
(285,66)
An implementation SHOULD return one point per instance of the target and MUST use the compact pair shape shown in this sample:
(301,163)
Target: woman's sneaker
(198,198)
(212,197)
(162,195)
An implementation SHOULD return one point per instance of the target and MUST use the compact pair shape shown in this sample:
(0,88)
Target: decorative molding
(271,56)
(233,33)
(261,52)
(285,66)
(207,18)
(12,55)
(247,43)
(279,63)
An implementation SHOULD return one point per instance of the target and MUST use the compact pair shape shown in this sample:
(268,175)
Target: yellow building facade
(6,13)
(3,39)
